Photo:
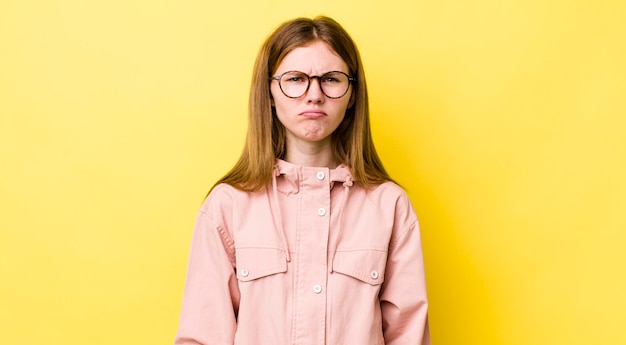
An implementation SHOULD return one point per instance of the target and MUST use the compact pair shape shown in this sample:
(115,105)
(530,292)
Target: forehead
(315,58)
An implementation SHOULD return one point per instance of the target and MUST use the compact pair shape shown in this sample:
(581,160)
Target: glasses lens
(334,84)
(294,84)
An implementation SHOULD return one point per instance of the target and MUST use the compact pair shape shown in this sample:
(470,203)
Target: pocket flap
(255,263)
(365,265)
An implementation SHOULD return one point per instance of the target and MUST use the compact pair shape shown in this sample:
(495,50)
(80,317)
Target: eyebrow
(312,75)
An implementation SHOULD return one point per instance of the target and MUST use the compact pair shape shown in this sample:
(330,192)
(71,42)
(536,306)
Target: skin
(310,119)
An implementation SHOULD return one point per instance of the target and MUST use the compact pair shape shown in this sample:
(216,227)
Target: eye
(333,78)
(294,78)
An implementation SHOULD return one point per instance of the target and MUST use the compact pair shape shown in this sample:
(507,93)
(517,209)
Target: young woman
(307,240)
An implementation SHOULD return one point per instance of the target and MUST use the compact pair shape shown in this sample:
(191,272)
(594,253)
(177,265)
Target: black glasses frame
(319,79)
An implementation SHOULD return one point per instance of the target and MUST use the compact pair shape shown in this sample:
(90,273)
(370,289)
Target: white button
(321,211)
(244,273)
(374,275)
(317,288)
(320,175)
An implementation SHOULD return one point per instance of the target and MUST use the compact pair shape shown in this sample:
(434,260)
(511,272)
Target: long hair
(266,139)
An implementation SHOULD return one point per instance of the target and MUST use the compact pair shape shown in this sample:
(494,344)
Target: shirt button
(321,211)
(317,288)
(374,275)
(244,273)
(320,175)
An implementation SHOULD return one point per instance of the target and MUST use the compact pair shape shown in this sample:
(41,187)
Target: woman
(306,240)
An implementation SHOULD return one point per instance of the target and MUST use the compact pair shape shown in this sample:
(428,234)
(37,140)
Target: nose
(314,94)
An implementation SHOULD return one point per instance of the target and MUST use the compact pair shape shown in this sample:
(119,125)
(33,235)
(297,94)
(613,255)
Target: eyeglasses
(334,84)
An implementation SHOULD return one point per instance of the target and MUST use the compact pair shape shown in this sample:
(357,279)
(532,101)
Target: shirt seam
(406,230)
(225,237)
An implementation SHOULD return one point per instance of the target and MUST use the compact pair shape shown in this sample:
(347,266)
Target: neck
(310,154)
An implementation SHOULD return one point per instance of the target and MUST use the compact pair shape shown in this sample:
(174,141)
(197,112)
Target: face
(312,117)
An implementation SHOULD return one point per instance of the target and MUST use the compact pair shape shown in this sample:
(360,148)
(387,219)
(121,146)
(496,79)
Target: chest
(313,217)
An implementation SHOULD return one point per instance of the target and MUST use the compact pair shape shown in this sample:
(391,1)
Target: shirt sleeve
(403,298)
(211,294)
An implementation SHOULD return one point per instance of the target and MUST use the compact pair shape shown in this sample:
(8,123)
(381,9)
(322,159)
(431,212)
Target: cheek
(281,109)
(345,105)
(281,103)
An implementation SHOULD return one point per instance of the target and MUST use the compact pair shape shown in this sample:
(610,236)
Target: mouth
(313,114)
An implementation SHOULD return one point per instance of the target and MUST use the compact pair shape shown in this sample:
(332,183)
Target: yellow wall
(505,120)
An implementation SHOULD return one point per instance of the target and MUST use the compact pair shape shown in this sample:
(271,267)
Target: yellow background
(505,121)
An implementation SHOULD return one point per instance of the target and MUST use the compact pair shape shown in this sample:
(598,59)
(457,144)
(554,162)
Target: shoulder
(224,197)
(226,205)
(390,193)
(389,188)
(394,199)
(221,193)
(220,203)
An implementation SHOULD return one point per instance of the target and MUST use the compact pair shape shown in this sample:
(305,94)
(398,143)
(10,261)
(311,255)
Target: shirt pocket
(366,265)
(255,263)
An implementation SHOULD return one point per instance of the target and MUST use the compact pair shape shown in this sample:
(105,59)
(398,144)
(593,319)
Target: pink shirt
(311,259)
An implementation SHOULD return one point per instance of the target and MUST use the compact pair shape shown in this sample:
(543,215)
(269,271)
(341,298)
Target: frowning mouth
(313,114)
